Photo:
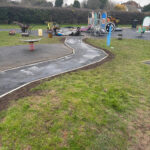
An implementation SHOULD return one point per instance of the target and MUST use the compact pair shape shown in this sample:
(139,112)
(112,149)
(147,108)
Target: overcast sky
(141,2)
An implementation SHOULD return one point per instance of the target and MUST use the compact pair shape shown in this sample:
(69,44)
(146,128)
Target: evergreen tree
(58,3)
(76,4)
(146,8)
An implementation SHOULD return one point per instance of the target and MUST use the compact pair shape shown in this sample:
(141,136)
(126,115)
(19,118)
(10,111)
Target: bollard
(109,36)
(50,34)
(120,36)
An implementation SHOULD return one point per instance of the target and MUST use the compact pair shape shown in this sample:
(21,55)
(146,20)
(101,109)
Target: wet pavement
(132,34)
(127,33)
(15,56)
(83,55)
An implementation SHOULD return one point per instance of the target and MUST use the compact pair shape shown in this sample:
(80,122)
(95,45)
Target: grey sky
(141,2)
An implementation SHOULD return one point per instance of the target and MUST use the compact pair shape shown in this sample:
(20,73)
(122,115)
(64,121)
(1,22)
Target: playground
(70,90)
(16,56)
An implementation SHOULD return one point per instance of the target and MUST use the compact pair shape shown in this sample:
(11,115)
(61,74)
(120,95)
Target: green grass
(88,109)
(125,26)
(73,25)
(44,26)
(8,26)
(37,26)
(13,26)
(7,40)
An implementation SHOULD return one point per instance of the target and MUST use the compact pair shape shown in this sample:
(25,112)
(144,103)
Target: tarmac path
(83,55)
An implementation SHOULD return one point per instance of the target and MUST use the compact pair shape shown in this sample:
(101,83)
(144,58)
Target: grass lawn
(6,40)
(37,26)
(105,108)
(73,25)
(125,26)
(13,26)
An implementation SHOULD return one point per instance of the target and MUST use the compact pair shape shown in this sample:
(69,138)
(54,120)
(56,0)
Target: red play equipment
(31,43)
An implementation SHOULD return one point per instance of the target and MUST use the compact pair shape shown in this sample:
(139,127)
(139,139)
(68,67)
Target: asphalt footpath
(83,55)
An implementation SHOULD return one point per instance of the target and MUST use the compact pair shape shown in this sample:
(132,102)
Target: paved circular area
(16,56)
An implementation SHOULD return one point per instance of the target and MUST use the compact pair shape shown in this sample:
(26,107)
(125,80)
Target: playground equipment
(12,32)
(76,33)
(85,29)
(31,43)
(99,23)
(146,23)
(145,26)
(114,20)
(52,27)
(49,29)
(40,32)
(141,30)
(25,28)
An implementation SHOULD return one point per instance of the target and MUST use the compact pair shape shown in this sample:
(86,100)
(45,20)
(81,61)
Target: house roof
(132,3)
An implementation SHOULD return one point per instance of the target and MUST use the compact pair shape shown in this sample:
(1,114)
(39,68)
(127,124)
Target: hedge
(40,15)
(8,14)
(128,17)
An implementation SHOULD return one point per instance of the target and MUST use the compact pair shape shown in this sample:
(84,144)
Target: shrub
(128,17)
(40,15)
(8,14)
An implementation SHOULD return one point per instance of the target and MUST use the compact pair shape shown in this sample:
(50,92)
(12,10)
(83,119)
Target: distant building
(132,6)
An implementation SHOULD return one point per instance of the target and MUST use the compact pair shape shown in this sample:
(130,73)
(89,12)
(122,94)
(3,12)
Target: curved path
(83,55)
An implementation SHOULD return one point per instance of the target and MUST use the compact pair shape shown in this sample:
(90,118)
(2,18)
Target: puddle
(26,72)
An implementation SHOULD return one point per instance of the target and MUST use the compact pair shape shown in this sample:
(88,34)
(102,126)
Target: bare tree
(76,4)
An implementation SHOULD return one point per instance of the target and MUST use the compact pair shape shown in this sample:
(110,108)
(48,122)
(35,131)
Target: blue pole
(109,37)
